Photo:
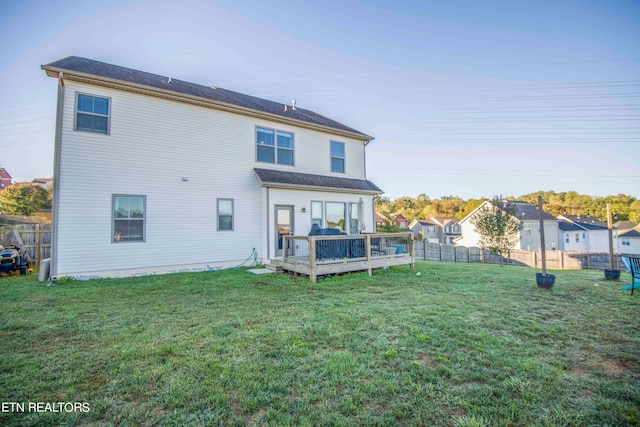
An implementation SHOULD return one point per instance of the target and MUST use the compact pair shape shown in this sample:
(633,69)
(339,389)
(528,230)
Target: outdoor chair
(633,265)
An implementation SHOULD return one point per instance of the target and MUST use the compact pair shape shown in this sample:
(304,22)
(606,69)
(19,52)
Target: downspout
(268,230)
(55,205)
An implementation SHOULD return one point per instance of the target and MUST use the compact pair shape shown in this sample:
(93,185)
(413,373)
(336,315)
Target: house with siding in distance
(153,174)
(628,237)
(395,219)
(529,218)
(436,229)
(591,235)
(5,178)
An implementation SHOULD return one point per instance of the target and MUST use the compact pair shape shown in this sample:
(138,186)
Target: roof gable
(100,70)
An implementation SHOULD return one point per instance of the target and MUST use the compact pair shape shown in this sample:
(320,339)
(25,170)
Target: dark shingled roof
(568,226)
(100,69)
(528,212)
(297,179)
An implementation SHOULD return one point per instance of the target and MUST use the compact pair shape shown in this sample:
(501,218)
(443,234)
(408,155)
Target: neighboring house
(628,241)
(43,182)
(529,218)
(5,179)
(592,234)
(154,174)
(572,237)
(437,229)
(395,219)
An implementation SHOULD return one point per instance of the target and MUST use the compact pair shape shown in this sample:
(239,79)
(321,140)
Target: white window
(316,213)
(566,238)
(337,157)
(128,218)
(626,242)
(577,237)
(92,113)
(225,214)
(336,215)
(526,228)
(274,146)
(431,229)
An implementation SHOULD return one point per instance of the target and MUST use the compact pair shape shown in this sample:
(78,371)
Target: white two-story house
(153,174)
(529,237)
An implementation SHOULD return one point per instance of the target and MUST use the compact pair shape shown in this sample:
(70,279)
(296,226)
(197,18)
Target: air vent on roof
(293,104)
(169,81)
(214,88)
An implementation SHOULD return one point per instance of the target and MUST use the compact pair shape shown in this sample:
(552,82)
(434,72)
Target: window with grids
(128,218)
(225,214)
(274,146)
(337,156)
(92,113)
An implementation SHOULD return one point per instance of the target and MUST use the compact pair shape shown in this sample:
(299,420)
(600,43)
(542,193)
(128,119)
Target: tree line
(624,207)
(24,199)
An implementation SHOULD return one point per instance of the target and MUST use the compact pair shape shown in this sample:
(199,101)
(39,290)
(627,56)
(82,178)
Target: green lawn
(461,345)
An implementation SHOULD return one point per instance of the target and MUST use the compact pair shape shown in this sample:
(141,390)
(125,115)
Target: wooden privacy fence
(35,239)
(555,259)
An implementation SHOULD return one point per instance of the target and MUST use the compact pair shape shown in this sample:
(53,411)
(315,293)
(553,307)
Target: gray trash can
(45,265)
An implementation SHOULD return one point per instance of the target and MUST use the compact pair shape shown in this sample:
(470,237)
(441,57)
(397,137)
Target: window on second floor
(92,113)
(337,157)
(274,146)
(626,242)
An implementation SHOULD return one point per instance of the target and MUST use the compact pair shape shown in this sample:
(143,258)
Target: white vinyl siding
(181,157)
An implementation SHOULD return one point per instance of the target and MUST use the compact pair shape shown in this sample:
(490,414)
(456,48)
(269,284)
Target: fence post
(37,254)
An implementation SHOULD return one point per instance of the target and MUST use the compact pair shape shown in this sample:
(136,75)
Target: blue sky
(464,98)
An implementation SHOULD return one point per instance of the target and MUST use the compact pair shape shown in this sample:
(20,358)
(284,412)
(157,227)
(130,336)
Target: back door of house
(284,226)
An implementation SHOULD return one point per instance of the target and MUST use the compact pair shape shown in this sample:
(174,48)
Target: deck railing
(322,255)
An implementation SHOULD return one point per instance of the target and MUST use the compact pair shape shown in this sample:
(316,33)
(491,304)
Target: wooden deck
(316,256)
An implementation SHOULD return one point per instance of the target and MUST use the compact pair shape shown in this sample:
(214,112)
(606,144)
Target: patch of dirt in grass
(251,419)
(576,371)
(94,382)
(427,361)
(612,367)
(588,364)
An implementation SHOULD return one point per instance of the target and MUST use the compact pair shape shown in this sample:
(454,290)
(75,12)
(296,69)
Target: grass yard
(461,345)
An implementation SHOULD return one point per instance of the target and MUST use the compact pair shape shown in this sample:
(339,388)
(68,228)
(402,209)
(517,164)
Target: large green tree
(498,226)
(24,199)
